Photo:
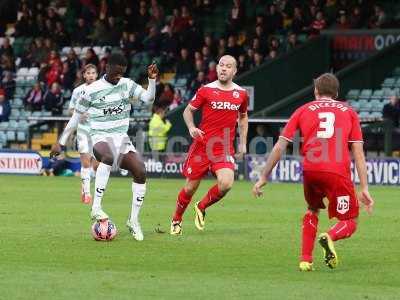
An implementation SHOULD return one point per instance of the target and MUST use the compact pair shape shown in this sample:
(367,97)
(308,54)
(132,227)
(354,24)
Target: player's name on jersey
(326,104)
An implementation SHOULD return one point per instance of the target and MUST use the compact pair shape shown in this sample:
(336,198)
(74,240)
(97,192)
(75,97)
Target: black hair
(117,59)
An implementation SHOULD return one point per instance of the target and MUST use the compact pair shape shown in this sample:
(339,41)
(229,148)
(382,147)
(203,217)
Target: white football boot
(135,229)
(98,214)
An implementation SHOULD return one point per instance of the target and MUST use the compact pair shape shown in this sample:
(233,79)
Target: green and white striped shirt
(76,94)
(109,105)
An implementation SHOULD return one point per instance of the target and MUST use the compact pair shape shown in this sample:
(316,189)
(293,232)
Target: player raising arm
(223,104)
(107,102)
(327,127)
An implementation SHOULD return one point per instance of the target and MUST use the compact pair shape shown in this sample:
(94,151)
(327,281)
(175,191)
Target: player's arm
(243,125)
(361,166)
(189,121)
(148,95)
(273,158)
(77,117)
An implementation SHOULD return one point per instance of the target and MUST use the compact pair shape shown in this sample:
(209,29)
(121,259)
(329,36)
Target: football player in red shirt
(223,104)
(328,128)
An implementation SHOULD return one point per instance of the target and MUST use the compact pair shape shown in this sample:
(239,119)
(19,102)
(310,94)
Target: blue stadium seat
(353,94)
(3,125)
(389,82)
(10,136)
(21,136)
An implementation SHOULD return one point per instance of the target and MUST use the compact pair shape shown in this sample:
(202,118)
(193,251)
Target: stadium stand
(49,42)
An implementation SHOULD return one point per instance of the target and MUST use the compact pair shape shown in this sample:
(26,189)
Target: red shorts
(198,162)
(343,203)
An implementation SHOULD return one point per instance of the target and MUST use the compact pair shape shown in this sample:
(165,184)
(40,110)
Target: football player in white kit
(83,134)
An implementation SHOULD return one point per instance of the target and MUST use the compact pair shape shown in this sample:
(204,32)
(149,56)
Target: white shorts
(119,143)
(84,142)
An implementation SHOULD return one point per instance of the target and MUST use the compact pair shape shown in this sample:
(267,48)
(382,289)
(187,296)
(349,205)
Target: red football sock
(309,233)
(181,203)
(213,196)
(342,230)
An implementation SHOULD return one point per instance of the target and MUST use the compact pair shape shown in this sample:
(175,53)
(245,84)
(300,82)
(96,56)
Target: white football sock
(100,184)
(138,191)
(85,177)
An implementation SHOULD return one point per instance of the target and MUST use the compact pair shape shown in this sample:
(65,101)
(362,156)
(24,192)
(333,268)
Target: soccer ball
(104,230)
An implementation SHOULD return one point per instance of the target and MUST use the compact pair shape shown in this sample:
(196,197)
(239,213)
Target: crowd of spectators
(171,31)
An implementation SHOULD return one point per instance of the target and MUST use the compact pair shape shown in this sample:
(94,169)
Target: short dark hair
(117,59)
(327,85)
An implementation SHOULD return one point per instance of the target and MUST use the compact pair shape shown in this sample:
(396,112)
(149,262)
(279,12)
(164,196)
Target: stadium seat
(377,94)
(11,136)
(23,125)
(97,50)
(3,138)
(365,94)
(65,50)
(376,114)
(22,72)
(376,105)
(353,94)
(3,126)
(46,113)
(17,103)
(12,124)
(364,114)
(355,105)
(21,136)
(78,50)
(14,114)
(388,83)
(364,104)
(33,72)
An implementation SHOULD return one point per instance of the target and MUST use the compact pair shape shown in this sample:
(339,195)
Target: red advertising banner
(348,46)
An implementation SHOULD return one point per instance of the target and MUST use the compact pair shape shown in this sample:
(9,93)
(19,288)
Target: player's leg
(308,236)
(225,179)
(195,168)
(133,162)
(83,148)
(85,178)
(313,195)
(105,157)
(343,205)
(184,197)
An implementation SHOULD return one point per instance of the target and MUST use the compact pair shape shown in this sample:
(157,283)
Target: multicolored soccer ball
(104,230)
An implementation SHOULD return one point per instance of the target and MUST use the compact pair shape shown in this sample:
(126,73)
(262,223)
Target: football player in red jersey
(223,104)
(328,129)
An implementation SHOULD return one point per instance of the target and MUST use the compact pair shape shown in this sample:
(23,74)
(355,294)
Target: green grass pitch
(249,249)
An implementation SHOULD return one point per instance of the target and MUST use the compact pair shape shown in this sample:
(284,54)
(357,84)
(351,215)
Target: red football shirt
(326,126)
(220,109)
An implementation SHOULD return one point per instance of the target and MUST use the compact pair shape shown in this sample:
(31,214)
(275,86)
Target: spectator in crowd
(91,58)
(152,43)
(342,22)
(198,82)
(177,99)
(292,42)
(391,111)
(258,59)
(232,47)
(261,147)
(236,17)
(5,108)
(167,95)
(379,19)
(212,72)
(74,64)
(299,23)
(243,64)
(34,98)
(53,100)
(6,48)
(158,129)
(8,84)
(67,78)
(318,24)
(184,66)
(274,20)
(80,36)
(60,35)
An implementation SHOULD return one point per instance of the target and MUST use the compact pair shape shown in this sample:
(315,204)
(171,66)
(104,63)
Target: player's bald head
(228,59)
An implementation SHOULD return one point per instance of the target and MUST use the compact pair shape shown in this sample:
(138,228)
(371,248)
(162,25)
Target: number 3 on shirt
(326,123)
